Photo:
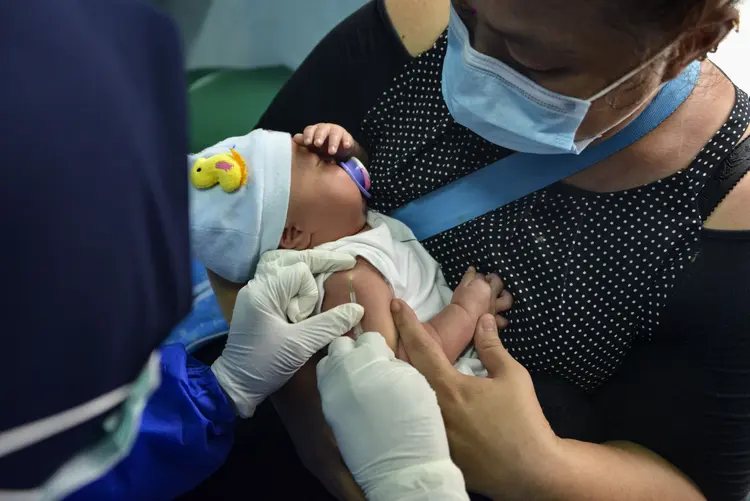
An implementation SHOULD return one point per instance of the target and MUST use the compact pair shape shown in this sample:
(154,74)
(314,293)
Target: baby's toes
(504,302)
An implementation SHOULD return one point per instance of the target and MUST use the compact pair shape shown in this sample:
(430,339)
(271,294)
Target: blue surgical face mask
(508,109)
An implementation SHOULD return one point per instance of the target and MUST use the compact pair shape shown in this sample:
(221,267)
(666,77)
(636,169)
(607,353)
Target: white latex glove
(264,349)
(387,423)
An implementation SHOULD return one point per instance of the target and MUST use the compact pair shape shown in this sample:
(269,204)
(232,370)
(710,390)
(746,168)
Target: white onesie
(413,275)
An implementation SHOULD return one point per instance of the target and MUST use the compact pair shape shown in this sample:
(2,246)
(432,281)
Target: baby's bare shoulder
(366,281)
(372,292)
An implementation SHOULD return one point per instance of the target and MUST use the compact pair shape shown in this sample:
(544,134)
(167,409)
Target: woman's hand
(263,349)
(498,434)
(504,445)
(298,404)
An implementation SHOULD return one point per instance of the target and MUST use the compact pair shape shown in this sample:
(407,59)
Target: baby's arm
(453,327)
(372,292)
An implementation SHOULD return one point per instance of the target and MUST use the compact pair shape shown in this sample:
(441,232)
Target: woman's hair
(662,19)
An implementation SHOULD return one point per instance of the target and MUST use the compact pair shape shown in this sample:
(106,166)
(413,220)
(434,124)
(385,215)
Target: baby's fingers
(299,138)
(347,141)
(504,302)
(335,139)
(309,135)
(501,322)
(496,285)
(468,277)
(321,134)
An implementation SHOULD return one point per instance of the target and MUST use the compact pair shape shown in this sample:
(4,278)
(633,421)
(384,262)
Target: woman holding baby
(623,370)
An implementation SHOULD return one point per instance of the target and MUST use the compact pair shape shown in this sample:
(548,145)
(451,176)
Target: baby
(275,191)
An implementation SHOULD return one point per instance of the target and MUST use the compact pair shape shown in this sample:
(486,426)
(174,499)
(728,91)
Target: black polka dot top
(590,272)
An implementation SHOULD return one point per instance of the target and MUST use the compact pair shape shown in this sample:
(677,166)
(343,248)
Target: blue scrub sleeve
(186,434)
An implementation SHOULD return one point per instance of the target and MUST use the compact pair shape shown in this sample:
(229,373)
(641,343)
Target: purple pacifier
(358,173)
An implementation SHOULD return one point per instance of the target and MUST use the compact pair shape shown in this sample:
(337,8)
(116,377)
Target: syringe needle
(353,299)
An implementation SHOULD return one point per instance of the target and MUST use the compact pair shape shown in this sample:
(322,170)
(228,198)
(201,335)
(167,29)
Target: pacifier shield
(359,175)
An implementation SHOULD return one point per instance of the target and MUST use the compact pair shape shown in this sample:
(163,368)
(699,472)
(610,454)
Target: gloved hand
(264,349)
(387,423)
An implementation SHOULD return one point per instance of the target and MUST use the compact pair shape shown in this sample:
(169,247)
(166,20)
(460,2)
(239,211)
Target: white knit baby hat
(230,230)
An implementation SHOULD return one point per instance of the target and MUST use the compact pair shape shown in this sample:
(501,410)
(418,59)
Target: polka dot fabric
(590,272)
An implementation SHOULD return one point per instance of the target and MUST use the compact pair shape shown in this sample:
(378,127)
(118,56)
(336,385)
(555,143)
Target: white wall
(733,55)
(254,33)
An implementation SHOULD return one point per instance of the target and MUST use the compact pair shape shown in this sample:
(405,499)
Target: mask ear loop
(622,80)
(628,75)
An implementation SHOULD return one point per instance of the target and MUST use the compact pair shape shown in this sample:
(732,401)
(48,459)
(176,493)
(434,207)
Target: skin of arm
(498,420)
(452,328)
(647,474)
(226,293)
(616,470)
(418,22)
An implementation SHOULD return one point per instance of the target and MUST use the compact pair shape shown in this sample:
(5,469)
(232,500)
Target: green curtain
(230,102)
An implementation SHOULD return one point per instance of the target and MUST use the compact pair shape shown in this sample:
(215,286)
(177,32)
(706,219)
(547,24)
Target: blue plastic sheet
(205,321)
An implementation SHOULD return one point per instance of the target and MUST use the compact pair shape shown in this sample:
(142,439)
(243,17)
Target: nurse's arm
(187,430)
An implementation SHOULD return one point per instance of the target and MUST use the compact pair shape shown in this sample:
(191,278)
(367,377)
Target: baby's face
(324,203)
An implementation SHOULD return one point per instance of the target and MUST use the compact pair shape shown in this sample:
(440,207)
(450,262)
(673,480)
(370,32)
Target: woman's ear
(697,41)
(295,239)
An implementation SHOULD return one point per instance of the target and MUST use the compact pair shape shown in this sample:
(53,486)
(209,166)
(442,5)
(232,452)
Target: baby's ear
(294,238)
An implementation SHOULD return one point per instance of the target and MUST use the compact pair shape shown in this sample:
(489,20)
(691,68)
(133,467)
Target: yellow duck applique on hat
(228,170)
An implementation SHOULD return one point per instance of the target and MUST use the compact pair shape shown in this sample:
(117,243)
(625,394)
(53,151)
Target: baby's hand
(327,140)
(478,295)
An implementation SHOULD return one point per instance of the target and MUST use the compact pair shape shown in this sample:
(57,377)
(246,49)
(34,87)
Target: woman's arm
(187,430)
(504,445)
(617,471)
(685,396)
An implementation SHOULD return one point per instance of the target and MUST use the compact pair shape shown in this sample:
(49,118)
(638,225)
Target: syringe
(353,298)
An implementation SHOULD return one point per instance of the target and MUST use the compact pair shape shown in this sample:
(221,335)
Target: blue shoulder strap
(519,174)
